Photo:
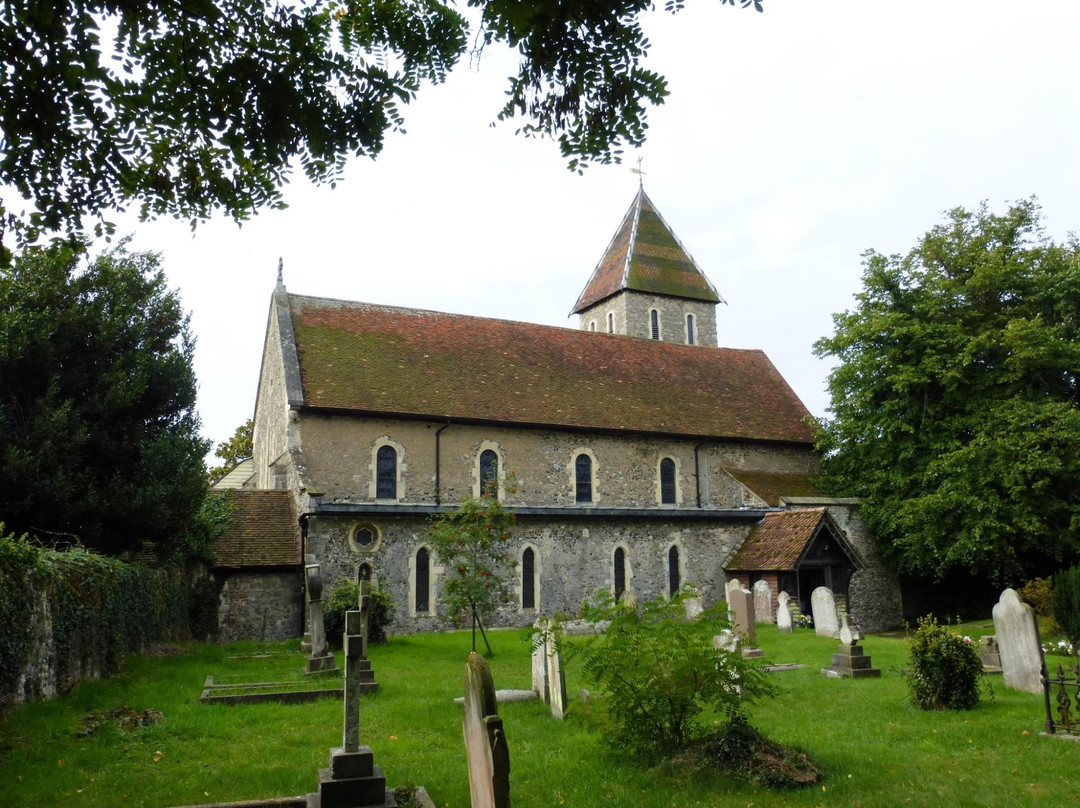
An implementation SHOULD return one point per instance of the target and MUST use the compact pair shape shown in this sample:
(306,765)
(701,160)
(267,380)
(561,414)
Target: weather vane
(280,267)
(639,171)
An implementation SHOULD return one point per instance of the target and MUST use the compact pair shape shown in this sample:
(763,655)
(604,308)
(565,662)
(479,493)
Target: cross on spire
(639,171)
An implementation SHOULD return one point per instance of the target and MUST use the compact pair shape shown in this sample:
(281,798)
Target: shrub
(1037,593)
(661,672)
(1066,604)
(944,668)
(344,597)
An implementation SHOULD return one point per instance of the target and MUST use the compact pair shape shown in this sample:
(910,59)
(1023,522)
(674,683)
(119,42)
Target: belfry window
(583,478)
(610,323)
(489,474)
(667,481)
(654,323)
(386,473)
(689,329)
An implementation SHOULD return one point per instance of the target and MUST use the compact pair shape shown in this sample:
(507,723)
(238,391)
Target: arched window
(592,325)
(667,481)
(620,573)
(363,573)
(610,323)
(423,581)
(528,579)
(689,329)
(674,579)
(386,473)
(489,474)
(583,478)
(654,323)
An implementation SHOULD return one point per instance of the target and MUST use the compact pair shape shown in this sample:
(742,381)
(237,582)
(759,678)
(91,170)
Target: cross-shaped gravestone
(320,659)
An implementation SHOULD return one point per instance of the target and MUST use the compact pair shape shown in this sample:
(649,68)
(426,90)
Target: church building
(645,456)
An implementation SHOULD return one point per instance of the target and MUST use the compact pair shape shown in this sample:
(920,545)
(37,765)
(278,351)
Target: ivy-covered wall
(66,616)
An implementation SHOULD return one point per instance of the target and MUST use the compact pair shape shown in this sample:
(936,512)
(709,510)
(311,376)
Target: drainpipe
(438,496)
(697,473)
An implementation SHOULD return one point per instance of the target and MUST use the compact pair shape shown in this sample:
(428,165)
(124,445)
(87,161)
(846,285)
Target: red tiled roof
(359,356)
(778,541)
(771,486)
(646,256)
(263,531)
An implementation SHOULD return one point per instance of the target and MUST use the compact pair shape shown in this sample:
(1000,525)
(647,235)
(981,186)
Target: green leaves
(944,669)
(956,403)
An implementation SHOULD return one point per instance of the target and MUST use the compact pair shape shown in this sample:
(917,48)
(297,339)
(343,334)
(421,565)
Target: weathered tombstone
(320,658)
(733,583)
(556,678)
(305,643)
(485,740)
(849,661)
(1018,643)
(726,640)
(989,655)
(693,607)
(826,618)
(741,606)
(353,779)
(783,613)
(763,610)
(539,658)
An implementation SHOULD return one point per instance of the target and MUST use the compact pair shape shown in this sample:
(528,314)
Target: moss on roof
(646,256)
(390,360)
(777,543)
(770,486)
(263,531)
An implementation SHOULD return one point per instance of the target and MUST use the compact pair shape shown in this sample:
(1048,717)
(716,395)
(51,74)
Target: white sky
(792,141)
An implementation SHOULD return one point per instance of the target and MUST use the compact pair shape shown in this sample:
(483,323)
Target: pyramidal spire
(645,255)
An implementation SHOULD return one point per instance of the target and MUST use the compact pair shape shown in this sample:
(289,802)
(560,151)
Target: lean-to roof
(262,532)
(777,543)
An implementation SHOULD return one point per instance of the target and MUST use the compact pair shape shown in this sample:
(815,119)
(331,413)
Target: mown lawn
(874,747)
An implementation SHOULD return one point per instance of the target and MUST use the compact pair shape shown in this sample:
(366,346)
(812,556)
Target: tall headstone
(305,642)
(539,658)
(763,610)
(353,780)
(783,613)
(485,739)
(1018,642)
(556,678)
(826,618)
(320,658)
(741,606)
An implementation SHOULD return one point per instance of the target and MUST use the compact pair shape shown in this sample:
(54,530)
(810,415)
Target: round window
(364,538)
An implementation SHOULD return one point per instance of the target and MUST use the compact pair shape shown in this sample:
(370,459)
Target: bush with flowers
(944,669)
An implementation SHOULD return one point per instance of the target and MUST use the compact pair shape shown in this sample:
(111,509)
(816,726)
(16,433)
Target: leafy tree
(233,451)
(956,402)
(99,438)
(662,672)
(185,107)
(470,542)
(1066,604)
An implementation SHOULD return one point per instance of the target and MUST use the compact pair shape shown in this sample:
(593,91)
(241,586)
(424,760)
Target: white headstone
(826,618)
(693,607)
(783,613)
(733,583)
(763,611)
(555,680)
(1018,643)
(539,659)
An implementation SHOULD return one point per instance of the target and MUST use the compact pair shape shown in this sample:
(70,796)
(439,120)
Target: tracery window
(386,473)
(583,478)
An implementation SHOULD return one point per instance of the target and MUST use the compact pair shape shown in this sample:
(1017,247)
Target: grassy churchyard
(875,749)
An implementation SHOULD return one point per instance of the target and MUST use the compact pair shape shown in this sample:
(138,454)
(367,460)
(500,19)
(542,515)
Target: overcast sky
(792,141)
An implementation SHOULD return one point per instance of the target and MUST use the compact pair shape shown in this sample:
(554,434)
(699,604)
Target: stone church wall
(630,311)
(574,559)
(261,605)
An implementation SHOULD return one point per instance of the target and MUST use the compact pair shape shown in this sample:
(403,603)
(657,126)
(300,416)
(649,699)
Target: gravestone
(763,610)
(989,655)
(741,606)
(539,658)
(1018,643)
(728,641)
(556,678)
(733,583)
(353,780)
(305,642)
(485,740)
(783,613)
(850,661)
(693,607)
(320,658)
(826,618)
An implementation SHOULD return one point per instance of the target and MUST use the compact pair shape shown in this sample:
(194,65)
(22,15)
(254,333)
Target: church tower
(647,285)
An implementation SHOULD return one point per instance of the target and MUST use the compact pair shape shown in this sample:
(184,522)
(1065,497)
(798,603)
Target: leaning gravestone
(763,611)
(320,658)
(353,780)
(741,605)
(485,740)
(826,619)
(783,613)
(1018,643)
(556,678)
(539,658)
